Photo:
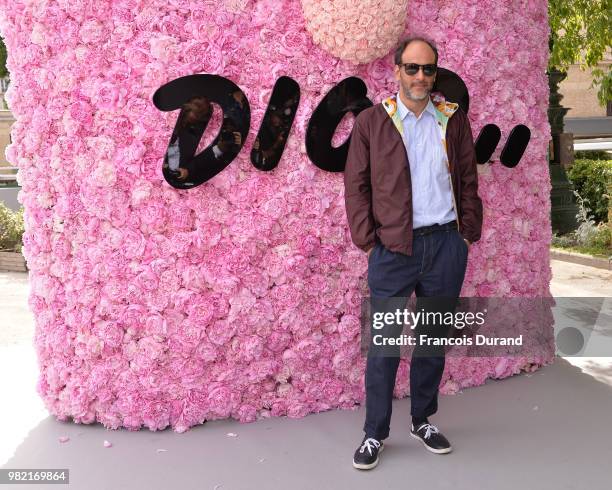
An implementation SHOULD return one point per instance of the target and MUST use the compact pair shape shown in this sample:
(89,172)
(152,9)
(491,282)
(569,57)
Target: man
(411,192)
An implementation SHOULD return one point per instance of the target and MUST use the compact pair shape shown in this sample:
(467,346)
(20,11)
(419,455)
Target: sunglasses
(413,69)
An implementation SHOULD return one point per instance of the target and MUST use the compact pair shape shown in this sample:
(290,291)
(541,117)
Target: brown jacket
(378,189)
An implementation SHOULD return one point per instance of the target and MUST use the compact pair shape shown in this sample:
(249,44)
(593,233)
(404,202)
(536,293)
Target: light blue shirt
(432,200)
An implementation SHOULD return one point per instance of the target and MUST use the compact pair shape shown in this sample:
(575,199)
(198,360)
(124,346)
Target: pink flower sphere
(358,32)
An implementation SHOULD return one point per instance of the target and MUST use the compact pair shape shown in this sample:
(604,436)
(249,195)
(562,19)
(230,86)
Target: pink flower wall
(240,298)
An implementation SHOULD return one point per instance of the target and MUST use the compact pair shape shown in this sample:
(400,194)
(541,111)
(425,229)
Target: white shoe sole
(436,451)
(361,466)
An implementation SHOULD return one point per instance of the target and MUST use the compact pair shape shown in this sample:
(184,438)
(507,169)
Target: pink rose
(220,332)
(147,279)
(92,31)
(247,348)
(82,112)
(221,401)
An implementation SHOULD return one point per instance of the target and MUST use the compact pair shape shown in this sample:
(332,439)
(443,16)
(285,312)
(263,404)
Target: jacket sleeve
(471,204)
(358,187)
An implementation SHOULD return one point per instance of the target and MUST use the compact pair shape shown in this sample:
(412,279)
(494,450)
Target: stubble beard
(412,96)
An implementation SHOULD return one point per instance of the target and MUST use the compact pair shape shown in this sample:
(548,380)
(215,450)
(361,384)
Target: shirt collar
(404,111)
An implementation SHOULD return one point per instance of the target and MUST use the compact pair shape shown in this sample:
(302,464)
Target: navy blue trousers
(435,268)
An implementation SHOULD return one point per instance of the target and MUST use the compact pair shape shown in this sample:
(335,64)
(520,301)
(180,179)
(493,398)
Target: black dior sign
(195,94)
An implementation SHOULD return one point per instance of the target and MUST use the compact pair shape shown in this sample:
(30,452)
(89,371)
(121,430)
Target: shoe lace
(369,444)
(431,429)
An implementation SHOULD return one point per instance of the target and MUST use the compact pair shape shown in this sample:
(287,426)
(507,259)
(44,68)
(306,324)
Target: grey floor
(547,430)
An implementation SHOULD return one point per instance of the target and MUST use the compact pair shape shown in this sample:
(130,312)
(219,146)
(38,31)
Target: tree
(581,32)
(3,70)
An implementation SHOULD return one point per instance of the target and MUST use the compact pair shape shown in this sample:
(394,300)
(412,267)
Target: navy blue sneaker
(366,455)
(431,438)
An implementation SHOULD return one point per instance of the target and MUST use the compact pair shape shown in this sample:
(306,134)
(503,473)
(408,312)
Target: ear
(396,72)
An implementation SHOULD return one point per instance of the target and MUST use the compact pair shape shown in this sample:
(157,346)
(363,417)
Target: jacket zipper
(450,179)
